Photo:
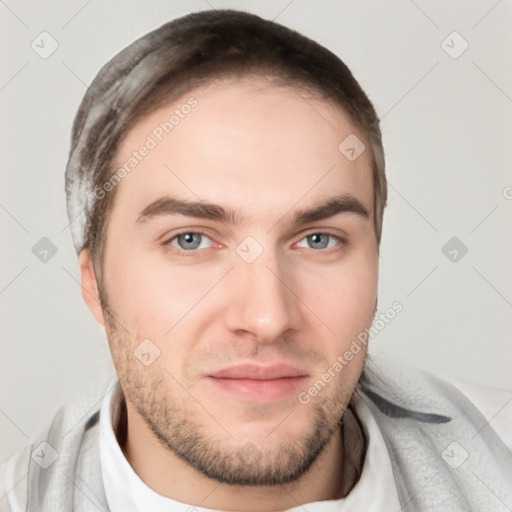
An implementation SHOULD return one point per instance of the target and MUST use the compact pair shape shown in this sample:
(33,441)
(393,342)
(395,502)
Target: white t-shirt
(126,492)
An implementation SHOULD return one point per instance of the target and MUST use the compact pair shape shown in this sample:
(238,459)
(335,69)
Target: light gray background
(447,133)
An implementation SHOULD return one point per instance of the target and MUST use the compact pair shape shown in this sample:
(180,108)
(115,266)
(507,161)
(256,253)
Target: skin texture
(265,152)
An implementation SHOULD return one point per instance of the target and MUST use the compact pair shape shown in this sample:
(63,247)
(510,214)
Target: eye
(189,241)
(320,241)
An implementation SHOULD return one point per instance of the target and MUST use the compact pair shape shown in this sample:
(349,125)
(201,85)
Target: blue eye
(189,241)
(320,240)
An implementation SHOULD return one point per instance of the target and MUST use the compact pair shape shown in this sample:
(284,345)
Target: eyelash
(194,253)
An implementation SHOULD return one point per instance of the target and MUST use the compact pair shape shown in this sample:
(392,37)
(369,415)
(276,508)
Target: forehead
(244,143)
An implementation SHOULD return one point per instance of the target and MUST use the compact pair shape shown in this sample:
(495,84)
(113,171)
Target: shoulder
(407,390)
(494,404)
(54,449)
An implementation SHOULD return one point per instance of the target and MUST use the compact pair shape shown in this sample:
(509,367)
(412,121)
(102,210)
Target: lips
(257,372)
(259,383)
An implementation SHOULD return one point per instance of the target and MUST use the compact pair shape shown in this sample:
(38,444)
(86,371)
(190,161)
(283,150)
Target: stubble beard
(183,425)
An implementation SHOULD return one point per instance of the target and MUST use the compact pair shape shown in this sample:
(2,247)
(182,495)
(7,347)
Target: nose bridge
(261,301)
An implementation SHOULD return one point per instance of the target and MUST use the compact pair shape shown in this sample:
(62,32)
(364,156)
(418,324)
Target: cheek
(343,298)
(152,297)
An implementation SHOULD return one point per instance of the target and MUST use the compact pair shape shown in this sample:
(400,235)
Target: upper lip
(259,372)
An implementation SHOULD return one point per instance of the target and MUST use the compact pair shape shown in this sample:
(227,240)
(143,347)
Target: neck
(332,475)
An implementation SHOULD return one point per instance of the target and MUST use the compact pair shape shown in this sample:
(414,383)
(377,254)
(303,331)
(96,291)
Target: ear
(90,292)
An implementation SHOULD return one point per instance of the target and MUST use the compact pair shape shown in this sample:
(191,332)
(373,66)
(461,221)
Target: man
(226,188)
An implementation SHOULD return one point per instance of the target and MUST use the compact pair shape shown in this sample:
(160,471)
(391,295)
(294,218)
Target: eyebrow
(168,205)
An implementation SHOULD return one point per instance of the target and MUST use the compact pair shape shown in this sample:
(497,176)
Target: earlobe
(90,292)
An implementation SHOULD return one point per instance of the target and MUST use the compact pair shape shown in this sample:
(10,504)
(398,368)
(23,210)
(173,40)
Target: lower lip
(260,390)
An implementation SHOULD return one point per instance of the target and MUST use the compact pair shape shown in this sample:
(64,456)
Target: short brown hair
(181,55)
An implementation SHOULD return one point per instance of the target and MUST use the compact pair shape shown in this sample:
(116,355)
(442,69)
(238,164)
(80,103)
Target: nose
(261,301)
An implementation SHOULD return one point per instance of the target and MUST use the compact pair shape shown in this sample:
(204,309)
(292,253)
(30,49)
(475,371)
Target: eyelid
(194,231)
(202,231)
(336,233)
(170,235)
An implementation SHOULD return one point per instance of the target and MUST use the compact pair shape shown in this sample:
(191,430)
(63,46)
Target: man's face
(239,315)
